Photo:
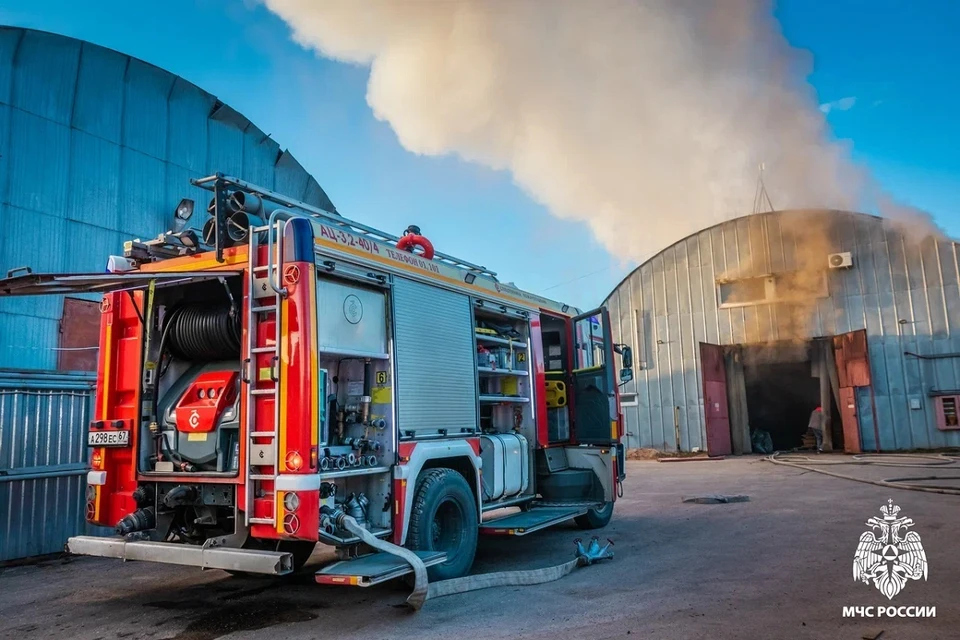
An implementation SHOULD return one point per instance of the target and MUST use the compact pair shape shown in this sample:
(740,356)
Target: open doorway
(781,391)
(783,382)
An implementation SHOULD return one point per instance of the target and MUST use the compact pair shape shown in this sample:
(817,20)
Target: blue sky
(886,71)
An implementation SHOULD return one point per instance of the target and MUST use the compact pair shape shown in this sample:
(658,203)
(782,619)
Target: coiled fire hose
(422,591)
(904,460)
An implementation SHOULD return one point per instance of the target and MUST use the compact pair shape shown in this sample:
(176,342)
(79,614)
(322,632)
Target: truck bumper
(272,563)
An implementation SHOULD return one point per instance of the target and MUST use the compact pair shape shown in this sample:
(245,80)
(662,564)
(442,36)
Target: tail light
(291,524)
(313,457)
(96,460)
(291,501)
(294,461)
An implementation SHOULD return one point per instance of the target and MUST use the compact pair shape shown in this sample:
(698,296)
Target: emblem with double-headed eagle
(888,554)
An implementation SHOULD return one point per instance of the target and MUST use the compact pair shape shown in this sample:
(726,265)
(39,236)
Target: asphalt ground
(777,566)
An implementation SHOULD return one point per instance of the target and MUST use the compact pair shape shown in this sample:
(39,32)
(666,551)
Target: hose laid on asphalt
(908,483)
(423,592)
(419,594)
(502,579)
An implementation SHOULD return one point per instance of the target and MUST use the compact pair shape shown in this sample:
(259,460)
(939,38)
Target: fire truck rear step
(374,568)
(520,524)
(247,560)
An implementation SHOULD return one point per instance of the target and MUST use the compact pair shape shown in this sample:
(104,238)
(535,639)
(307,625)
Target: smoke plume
(645,119)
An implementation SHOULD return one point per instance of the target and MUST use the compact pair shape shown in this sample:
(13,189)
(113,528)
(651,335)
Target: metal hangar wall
(786,286)
(97,148)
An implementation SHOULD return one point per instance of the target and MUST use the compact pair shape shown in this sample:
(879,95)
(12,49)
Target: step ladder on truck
(288,367)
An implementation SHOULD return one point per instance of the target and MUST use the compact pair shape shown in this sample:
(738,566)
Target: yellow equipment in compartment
(556,394)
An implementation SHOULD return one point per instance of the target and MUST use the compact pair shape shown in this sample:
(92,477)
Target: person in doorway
(816,425)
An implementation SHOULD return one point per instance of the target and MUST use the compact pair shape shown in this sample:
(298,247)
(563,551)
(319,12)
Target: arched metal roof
(731,222)
(98,147)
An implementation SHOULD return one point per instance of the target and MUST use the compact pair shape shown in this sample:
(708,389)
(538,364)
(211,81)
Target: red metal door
(79,335)
(716,416)
(853,370)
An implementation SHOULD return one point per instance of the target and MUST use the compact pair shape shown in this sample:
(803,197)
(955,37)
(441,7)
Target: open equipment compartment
(504,381)
(190,385)
(356,431)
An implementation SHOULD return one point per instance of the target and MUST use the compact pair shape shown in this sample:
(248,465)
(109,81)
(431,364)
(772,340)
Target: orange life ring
(411,240)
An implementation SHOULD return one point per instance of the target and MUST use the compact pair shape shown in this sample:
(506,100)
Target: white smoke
(645,119)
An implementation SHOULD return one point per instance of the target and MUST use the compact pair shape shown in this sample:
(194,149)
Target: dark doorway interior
(781,392)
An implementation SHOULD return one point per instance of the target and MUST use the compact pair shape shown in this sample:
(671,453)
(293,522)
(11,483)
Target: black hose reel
(204,332)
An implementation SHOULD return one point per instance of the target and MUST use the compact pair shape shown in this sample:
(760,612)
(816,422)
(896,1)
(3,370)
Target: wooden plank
(851,426)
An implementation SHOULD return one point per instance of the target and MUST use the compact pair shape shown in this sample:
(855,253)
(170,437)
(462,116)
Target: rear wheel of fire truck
(444,518)
(596,518)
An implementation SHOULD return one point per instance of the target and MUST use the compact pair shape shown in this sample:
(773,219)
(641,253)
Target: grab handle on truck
(26,271)
(275,236)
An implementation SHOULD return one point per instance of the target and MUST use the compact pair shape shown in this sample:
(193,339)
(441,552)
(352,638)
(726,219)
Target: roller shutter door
(436,365)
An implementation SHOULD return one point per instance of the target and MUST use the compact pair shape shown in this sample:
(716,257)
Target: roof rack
(222,183)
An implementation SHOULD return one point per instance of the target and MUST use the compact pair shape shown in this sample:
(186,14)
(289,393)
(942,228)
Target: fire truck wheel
(444,518)
(596,518)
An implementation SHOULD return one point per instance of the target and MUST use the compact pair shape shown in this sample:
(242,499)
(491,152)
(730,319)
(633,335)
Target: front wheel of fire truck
(444,518)
(596,518)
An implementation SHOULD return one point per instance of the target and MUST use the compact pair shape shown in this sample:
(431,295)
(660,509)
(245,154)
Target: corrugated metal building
(741,329)
(96,148)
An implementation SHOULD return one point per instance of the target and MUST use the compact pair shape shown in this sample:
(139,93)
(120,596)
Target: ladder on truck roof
(302,209)
(261,447)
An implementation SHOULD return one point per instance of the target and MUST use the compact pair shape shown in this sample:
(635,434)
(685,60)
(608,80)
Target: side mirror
(626,375)
(626,355)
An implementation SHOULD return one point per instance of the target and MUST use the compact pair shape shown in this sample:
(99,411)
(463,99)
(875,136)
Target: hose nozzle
(593,552)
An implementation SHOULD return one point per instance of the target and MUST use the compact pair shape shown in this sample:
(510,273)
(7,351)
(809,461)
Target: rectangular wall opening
(783,387)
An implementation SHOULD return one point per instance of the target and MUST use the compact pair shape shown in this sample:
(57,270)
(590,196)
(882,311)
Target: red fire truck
(288,365)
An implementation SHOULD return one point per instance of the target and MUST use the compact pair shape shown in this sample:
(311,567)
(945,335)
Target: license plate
(108,438)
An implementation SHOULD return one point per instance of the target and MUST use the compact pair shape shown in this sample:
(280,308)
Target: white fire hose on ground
(422,591)
(903,460)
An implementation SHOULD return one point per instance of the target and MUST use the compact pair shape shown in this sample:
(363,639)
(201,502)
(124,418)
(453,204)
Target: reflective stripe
(278,518)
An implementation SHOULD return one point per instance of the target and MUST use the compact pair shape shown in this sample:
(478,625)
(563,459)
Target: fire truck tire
(444,518)
(596,518)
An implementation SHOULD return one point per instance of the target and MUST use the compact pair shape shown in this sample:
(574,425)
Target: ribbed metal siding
(435,360)
(97,148)
(893,280)
(43,461)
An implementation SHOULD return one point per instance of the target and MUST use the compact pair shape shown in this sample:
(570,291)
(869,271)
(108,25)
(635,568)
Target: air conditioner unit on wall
(840,260)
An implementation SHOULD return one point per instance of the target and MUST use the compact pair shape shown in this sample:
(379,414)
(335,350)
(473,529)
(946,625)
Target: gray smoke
(645,119)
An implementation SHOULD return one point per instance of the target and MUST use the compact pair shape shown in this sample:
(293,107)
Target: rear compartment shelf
(519,399)
(372,569)
(520,524)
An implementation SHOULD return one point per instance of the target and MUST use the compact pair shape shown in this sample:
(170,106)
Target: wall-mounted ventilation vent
(947,412)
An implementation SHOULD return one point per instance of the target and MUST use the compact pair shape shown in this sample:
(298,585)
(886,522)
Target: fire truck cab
(291,365)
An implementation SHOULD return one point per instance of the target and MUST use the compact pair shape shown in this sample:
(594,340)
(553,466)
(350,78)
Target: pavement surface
(777,566)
